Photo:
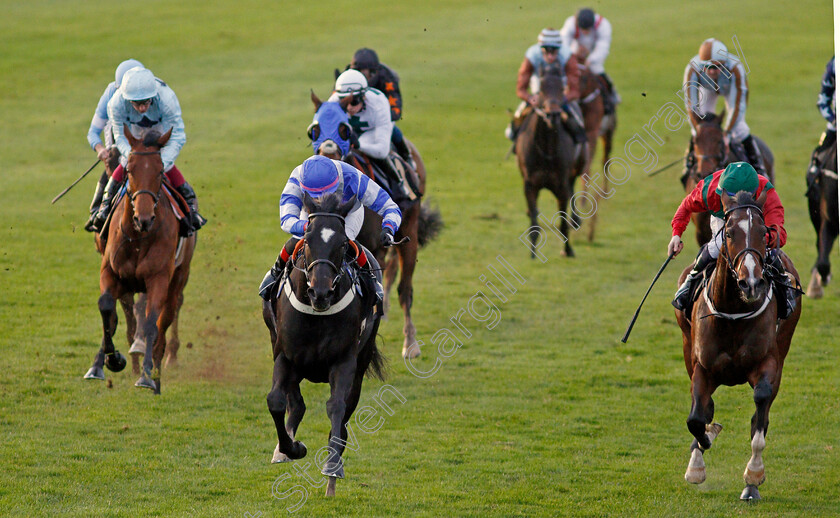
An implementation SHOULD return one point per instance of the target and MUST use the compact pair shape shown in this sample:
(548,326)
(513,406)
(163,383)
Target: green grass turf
(546,414)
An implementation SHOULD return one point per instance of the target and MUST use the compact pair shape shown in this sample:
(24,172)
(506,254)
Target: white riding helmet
(350,82)
(138,84)
(550,37)
(712,51)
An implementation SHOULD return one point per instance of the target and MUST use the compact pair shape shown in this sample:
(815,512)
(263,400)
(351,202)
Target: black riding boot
(785,294)
(371,277)
(826,140)
(402,148)
(754,155)
(196,220)
(690,162)
(98,219)
(683,296)
(97,200)
(609,97)
(273,275)
(574,121)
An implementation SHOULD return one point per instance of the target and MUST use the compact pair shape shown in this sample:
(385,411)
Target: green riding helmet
(738,176)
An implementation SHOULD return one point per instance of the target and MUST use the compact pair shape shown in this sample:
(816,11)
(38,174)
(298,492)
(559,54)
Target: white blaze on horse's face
(327,234)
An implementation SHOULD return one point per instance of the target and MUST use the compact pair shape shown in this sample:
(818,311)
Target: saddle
(403,190)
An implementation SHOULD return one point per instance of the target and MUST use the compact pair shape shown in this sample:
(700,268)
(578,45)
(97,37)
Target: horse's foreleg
(531,193)
(155,299)
(826,242)
(107,311)
(341,385)
(277,399)
(563,205)
(174,341)
(408,260)
(700,424)
(766,386)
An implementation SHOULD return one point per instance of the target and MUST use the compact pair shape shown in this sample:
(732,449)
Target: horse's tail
(376,367)
(430,224)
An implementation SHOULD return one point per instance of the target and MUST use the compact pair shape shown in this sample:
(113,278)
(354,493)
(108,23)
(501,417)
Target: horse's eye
(314,131)
(728,235)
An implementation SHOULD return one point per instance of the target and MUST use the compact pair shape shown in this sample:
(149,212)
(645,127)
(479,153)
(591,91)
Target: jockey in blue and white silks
(146,103)
(100,127)
(713,73)
(826,104)
(318,176)
(322,175)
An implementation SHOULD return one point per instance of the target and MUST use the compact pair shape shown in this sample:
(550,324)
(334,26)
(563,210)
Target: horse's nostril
(743,285)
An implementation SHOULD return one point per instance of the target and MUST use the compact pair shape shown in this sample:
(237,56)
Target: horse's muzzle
(753,288)
(144,224)
(319,298)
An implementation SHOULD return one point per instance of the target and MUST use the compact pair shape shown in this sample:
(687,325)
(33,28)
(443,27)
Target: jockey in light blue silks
(100,127)
(146,103)
(317,176)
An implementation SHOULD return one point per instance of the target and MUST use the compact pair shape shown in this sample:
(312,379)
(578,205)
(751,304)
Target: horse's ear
(315,100)
(164,138)
(309,203)
(345,208)
(761,199)
(728,201)
(131,140)
(337,73)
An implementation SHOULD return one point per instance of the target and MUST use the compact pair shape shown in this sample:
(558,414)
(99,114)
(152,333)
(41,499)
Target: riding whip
(675,162)
(636,315)
(62,193)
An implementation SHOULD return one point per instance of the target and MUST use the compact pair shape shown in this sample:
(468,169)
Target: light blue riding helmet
(319,176)
(124,67)
(138,84)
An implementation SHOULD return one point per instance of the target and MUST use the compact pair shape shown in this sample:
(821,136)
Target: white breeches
(717,239)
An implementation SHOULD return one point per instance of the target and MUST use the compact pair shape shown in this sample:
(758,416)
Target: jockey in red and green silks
(145,103)
(738,176)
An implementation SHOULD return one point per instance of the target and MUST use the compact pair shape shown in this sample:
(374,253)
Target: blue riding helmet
(326,125)
(319,176)
(124,67)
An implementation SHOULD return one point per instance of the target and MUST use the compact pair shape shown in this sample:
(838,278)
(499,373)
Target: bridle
(718,158)
(133,195)
(307,267)
(732,262)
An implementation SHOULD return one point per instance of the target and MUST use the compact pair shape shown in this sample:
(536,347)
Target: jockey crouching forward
(548,54)
(319,175)
(715,72)
(738,176)
(145,102)
(588,36)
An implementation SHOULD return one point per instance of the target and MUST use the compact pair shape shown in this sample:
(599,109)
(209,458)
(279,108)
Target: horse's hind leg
(405,290)
(700,424)
(827,238)
(389,276)
(277,400)
(766,386)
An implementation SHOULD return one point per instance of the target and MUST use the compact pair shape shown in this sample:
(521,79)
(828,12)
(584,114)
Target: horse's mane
(328,203)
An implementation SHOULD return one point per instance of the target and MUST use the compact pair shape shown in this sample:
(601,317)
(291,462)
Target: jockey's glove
(387,237)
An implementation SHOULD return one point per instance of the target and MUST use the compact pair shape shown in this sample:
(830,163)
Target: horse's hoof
(750,494)
(413,351)
(298,450)
(331,470)
(695,475)
(95,373)
(279,456)
(115,362)
(138,348)
(145,382)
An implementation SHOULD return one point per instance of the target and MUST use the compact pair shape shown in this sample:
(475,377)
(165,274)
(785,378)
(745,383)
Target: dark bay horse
(733,337)
(597,125)
(822,206)
(322,331)
(711,154)
(420,223)
(143,254)
(546,155)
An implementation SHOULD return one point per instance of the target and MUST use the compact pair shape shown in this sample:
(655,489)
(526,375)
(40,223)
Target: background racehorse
(420,223)
(545,152)
(597,125)
(322,332)
(822,206)
(143,254)
(733,338)
(711,154)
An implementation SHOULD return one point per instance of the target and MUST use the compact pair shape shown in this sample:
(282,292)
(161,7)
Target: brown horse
(143,254)
(733,336)
(711,154)
(546,155)
(420,224)
(822,206)
(597,125)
